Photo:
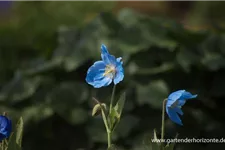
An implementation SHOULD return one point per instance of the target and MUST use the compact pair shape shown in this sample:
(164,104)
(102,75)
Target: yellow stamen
(109,71)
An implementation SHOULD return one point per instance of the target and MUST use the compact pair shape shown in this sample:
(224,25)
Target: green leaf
(140,32)
(63,97)
(97,109)
(13,146)
(15,140)
(156,144)
(19,131)
(115,115)
(213,60)
(187,57)
(20,88)
(3,145)
(120,104)
(67,103)
(37,113)
(113,119)
(40,68)
(155,135)
(69,52)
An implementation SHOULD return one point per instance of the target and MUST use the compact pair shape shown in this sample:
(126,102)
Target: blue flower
(103,72)
(174,103)
(5,127)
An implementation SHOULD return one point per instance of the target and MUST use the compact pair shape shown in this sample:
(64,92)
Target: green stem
(112,99)
(109,132)
(109,138)
(163,119)
(107,128)
(105,121)
(163,123)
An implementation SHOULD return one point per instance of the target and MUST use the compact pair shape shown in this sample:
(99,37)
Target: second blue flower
(174,103)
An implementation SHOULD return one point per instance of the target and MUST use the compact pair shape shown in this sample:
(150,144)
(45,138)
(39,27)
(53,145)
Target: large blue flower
(5,127)
(174,103)
(103,72)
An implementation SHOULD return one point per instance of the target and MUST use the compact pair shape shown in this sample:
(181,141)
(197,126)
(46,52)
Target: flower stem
(109,138)
(163,119)
(112,99)
(109,132)
(107,128)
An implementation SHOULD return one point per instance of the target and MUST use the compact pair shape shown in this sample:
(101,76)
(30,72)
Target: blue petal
(119,60)
(93,73)
(180,95)
(5,127)
(105,81)
(119,74)
(9,128)
(176,95)
(187,95)
(181,102)
(3,122)
(173,97)
(178,110)
(177,103)
(2,137)
(106,57)
(104,49)
(173,115)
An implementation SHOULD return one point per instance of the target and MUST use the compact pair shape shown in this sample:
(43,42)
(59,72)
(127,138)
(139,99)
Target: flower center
(110,71)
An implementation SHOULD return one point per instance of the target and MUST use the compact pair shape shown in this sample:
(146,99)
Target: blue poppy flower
(174,103)
(104,72)
(5,127)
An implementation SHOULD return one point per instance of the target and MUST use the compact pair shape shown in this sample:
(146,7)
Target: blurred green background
(47,47)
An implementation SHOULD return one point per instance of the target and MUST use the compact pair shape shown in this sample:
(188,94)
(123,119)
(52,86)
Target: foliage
(49,90)
(15,140)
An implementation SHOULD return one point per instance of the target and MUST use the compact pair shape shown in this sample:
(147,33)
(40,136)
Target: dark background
(47,47)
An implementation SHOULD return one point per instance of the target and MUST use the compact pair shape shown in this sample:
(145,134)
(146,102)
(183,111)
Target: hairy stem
(109,132)
(109,138)
(163,119)
(107,128)
(112,99)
